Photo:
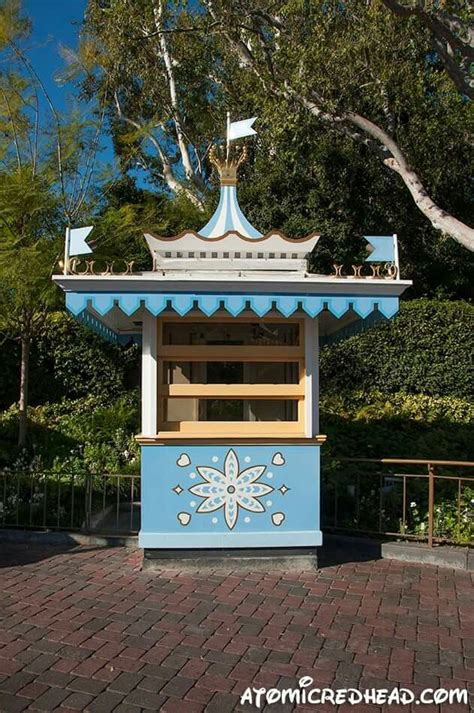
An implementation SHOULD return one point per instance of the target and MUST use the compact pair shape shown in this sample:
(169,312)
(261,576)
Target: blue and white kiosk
(231,321)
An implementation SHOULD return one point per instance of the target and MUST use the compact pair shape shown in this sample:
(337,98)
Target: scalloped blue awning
(209,303)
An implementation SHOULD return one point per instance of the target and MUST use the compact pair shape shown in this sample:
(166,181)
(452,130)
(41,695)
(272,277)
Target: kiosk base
(282,558)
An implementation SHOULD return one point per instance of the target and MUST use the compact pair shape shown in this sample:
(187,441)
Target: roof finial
(228,166)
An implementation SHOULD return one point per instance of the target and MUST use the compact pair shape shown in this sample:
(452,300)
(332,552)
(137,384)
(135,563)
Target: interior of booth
(245,374)
(232,376)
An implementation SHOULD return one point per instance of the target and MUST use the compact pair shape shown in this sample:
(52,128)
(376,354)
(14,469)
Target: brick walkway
(85,629)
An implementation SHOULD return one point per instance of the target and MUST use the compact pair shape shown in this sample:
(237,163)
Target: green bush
(68,360)
(92,434)
(426,349)
(371,424)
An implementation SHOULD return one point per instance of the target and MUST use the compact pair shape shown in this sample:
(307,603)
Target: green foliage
(28,249)
(426,349)
(319,181)
(69,360)
(130,211)
(450,522)
(80,362)
(92,434)
(372,424)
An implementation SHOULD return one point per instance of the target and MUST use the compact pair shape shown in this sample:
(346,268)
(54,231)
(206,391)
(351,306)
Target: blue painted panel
(338,305)
(213,496)
(261,304)
(388,306)
(76,302)
(287,305)
(235,304)
(156,303)
(208,303)
(182,304)
(103,303)
(130,303)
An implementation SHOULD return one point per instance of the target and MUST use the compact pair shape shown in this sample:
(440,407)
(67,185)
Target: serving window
(244,376)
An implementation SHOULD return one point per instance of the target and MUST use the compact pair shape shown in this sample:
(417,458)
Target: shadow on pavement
(338,549)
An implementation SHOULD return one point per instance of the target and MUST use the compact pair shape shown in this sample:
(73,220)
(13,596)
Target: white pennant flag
(238,129)
(77,241)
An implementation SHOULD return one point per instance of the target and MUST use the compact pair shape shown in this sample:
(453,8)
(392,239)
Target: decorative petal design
(231,467)
(249,475)
(231,511)
(249,503)
(212,475)
(207,490)
(231,489)
(212,504)
(255,490)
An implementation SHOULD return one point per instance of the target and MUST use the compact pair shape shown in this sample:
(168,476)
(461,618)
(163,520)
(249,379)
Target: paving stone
(87,685)
(109,637)
(222,703)
(12,704)
(14,683)
(145,699)
(50,700)
(56,679)
(77,701)
(177,687)
(105,702)
(125,683)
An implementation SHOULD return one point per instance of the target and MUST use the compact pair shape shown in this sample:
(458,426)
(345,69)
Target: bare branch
(13,127)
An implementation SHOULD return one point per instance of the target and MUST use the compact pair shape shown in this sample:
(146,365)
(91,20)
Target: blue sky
(53,24)
(56,23)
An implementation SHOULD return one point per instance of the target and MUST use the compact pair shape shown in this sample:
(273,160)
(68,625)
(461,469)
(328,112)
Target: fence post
(88,503)
(431,486)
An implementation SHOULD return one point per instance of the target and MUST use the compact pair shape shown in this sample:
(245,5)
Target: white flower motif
(231,489)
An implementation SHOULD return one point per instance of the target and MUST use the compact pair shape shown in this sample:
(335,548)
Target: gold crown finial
(229,163)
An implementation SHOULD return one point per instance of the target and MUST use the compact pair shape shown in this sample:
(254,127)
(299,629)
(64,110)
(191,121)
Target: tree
(47,166)
(452,31)
(357,68)
(158,88)
(28,250)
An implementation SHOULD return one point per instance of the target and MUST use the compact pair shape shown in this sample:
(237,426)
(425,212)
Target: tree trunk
(24,377)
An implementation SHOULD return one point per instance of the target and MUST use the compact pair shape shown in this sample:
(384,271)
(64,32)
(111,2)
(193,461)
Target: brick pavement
(85,629)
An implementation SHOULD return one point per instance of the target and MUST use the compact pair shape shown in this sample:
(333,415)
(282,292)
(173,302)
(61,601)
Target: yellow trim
(236,428)
(163,437)
(204,352)
(234,391)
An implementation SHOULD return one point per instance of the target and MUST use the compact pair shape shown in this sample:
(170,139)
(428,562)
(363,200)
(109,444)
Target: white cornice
(265,283)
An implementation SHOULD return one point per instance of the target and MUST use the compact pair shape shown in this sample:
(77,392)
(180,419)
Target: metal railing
(78,502)
(382,497)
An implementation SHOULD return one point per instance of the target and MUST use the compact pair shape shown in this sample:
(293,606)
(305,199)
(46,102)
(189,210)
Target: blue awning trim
(97,326)
(182,303)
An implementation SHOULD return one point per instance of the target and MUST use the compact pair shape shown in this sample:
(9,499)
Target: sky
(56,23)
(53,25)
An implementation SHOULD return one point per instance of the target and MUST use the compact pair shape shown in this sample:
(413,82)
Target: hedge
(427,349)
(98,434)
(68,360)
(370,424)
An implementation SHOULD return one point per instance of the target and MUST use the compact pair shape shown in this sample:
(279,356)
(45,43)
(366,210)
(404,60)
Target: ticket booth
(230,322)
